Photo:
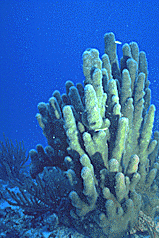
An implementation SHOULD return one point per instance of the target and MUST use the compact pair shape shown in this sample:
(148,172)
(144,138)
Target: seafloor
(14,224)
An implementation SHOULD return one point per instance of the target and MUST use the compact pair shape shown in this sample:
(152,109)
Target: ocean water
(41,46)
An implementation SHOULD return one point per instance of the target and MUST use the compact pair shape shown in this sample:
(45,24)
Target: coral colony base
(100,169)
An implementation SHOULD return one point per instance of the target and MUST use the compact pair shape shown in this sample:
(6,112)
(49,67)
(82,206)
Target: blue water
(41,46)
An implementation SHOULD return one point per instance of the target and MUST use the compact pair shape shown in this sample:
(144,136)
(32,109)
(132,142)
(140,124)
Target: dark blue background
(41,46)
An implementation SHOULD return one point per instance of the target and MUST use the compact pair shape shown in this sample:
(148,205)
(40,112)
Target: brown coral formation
(108,125)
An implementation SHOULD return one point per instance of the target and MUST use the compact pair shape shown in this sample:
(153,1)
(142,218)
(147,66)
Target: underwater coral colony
(101,160)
